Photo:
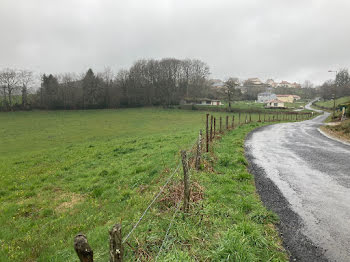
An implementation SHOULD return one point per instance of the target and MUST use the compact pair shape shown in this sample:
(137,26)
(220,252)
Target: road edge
(328,135)
(290,227)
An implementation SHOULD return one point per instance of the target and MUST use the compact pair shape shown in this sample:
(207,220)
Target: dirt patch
(69,201)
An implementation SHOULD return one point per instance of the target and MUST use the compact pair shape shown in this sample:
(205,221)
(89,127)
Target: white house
(201,101)
(265,97)
(275,104)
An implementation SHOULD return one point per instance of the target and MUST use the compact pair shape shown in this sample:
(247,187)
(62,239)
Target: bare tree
(9,79)
(25,79)
(308,84)
(230,89)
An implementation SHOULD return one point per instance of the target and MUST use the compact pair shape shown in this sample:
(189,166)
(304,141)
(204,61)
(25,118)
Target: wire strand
(149,206)
(168,230)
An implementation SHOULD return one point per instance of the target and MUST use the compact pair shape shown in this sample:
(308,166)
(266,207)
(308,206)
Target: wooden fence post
(250,117)
(264,117)
(259,118)
(233,122)
(211,128)
(220,124)
(116,250)
(226,122)
(83,248)
(246,119)
(239,118)
(214,126)
(199,149)
(207,131)
(186,181)
(273,118)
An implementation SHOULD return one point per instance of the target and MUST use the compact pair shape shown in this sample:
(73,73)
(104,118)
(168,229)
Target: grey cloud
(291,40)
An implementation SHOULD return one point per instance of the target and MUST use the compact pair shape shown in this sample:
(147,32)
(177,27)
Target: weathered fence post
(250,117)
(211,128)
(207,134)
(264,117)
(83,248)
(226,122)
(273,118)
(233,122)
(246,119)
(259,118)
(220,124)
(186,181)
(214,126)
(239,118)
(199,149)
(116,250)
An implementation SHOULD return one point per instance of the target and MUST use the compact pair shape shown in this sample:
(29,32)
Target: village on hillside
(252,89)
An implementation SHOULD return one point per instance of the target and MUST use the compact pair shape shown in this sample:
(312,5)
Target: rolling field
(328,104)
(65,172)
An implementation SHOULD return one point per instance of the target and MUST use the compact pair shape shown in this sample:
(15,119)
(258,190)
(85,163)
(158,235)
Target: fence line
(116,241)
(168,230)
(154,199)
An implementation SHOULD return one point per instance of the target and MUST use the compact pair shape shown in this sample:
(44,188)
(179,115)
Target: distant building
(286,98)
(265,97)
(275,104)
(271,83)
(296,98)
(217,83)
(296,85)
(201,101)
(284,84)
(253,81)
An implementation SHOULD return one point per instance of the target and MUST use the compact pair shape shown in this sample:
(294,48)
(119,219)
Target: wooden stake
(207,134)
(214,126)
(211,128)
(83,249)
(199,149)
(226,122)
(233,122)
(116,250)
(186,181)
(220,124)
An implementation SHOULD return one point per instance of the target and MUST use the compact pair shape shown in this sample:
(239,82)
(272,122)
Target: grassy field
(328,104)
(65,172)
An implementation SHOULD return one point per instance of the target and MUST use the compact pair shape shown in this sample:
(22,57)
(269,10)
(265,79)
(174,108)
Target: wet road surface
(311,172)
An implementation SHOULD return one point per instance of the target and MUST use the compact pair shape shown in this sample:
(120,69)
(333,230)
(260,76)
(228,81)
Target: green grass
(328,104)
(65,172)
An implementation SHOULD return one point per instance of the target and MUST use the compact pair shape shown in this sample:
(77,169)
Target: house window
(275,104)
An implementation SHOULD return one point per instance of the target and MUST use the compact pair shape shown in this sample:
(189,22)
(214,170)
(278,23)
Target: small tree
(230,89)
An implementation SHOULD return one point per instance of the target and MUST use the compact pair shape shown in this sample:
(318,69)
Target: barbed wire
(159,193)
(168,230)
(149,206)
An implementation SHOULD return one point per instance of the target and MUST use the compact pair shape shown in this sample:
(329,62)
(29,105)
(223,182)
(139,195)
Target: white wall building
(265,97)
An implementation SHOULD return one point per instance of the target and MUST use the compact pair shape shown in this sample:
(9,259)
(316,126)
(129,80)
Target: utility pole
(335,90)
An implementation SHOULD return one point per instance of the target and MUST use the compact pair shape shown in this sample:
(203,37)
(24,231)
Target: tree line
(338,87)
(148,82)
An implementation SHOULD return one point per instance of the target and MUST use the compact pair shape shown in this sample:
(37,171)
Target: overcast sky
(280,39)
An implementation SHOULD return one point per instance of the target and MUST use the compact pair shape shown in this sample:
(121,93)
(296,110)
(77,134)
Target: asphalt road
(304,176)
